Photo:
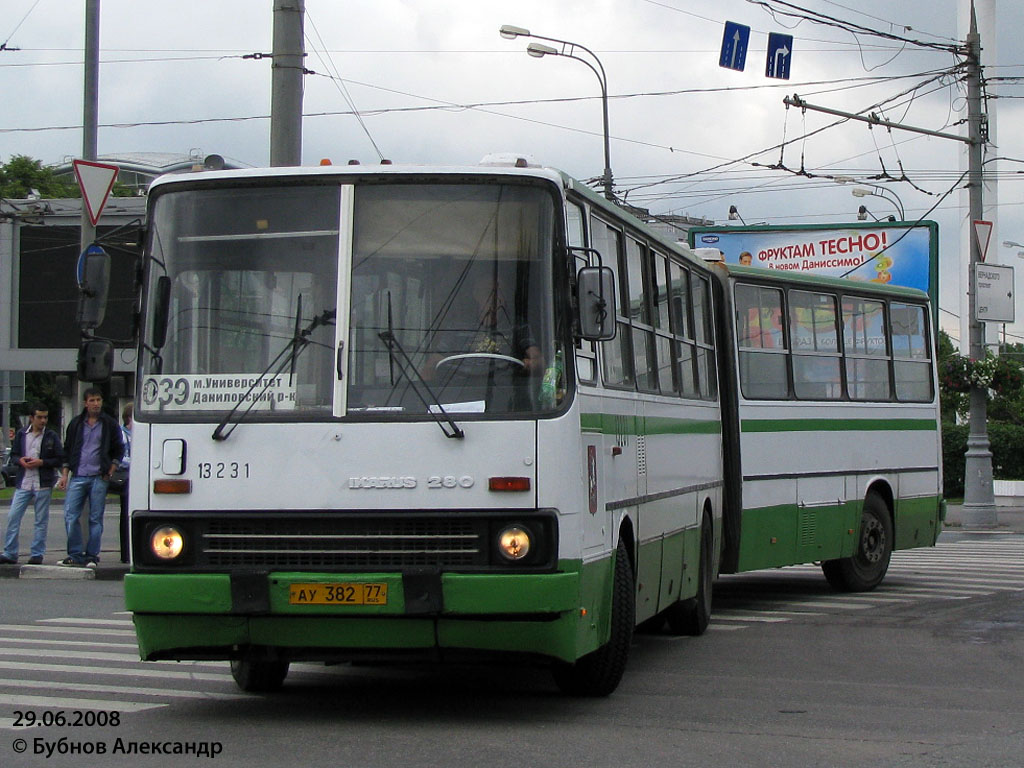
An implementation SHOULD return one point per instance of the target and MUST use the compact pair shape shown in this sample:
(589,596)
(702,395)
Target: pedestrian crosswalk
(93,664)
(76,664)
(951,571)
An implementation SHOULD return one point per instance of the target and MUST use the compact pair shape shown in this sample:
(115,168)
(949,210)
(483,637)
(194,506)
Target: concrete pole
(979,509)
(286,83)
(90,112)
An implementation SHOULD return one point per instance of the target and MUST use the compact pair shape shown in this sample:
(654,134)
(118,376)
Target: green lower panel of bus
(564,615)
(788,534)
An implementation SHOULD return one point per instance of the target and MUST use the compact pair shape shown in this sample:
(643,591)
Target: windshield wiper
(287,355)
(405,364)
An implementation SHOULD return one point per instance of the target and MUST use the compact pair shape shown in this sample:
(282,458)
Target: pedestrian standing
(93,449)
(38,454)
(127,415)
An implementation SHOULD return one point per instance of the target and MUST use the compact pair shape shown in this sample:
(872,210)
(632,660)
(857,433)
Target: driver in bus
(488,328)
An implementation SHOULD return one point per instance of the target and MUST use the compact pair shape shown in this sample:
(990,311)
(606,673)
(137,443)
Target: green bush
(1006,441)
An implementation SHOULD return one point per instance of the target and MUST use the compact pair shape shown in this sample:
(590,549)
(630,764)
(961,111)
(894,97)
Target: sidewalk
(1008,520)
(110,567)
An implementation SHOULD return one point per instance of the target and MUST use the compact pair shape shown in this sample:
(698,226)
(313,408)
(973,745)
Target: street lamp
(1013,244)
(568,50)
(877,191)
(863,213)
(734,215)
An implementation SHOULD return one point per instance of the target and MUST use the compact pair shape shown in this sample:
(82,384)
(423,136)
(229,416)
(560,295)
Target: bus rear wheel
(691,616)
(598,673)
(866,569)
(259,675)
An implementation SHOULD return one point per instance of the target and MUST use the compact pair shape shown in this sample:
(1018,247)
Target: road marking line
(63,702)
(119,690)
(68,630)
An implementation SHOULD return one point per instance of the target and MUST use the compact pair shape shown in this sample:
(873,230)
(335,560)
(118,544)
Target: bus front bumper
(192,616)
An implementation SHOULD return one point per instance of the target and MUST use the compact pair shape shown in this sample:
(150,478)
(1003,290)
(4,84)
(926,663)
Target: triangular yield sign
(95,180)
(982,231)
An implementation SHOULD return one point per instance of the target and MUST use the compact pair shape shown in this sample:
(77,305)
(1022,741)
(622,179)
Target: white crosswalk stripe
(76,664)
(950,571)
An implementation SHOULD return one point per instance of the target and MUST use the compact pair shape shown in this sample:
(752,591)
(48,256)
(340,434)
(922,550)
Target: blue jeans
(93,488)
(18,506)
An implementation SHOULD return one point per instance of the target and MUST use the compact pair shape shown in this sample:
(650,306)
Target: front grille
(280,543)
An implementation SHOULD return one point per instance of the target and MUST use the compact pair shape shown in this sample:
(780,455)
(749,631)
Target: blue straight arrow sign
(734,46)
(780,51)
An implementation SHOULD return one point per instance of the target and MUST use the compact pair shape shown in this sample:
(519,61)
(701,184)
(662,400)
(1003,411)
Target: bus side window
(617,353)
(867,354)
(912,362)
(761,343)
(704,335)
(682,330)
(640,316)
(586,351)
(667,380)
(814,334)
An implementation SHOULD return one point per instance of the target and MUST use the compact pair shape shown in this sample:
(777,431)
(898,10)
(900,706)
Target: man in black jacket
(92,450)
(37,453)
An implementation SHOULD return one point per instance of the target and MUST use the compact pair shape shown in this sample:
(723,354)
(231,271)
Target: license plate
(344,593)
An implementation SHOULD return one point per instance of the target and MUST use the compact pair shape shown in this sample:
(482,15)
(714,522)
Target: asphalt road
(926,671)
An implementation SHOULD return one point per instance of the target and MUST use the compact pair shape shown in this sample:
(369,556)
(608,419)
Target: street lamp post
(568,50)
(1014,244)
(877,191)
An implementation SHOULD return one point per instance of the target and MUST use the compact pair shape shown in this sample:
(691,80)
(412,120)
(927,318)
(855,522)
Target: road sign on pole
(982,231)
(995,302)
(95,180)
(734,46)
(780,51)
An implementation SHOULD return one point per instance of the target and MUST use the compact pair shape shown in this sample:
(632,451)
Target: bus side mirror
(161,308)
(595,296)
(95,360)
(93,284)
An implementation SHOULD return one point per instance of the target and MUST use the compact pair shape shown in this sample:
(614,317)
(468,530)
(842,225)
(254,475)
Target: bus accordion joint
(175,485)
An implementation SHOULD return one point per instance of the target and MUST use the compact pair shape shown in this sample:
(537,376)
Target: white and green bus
(435,413)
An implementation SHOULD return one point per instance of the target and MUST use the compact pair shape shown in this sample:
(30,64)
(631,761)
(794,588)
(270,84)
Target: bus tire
(259,675)
(691,616)
(598,673)
(866,569)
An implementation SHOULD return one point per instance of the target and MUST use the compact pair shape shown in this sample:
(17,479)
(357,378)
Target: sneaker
(91,563)
(37,560)
(69,561)
(5,560)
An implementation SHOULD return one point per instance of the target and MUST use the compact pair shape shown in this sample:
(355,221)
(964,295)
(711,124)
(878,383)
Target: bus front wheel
(599,673)
(259,675)
(866,569)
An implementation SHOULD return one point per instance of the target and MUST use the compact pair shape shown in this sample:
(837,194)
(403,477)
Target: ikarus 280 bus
(407,412)
(375,424)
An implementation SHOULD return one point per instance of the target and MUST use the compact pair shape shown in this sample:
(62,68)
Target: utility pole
(286,83)
(90,112)
(979,509)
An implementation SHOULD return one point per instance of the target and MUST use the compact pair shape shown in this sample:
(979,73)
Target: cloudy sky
(434,83)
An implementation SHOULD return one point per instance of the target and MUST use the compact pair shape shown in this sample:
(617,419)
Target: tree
(951,401)
(22,174)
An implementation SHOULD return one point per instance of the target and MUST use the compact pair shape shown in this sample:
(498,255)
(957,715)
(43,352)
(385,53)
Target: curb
(64,572)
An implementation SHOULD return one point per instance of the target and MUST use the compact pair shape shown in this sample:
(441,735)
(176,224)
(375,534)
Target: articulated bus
(408,413)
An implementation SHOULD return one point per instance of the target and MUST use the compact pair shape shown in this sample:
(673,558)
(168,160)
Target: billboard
(877,252)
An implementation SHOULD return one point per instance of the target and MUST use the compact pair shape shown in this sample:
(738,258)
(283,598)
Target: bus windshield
(385,300)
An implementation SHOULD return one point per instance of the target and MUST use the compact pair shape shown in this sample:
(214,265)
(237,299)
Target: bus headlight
(166,542)
(514,543)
